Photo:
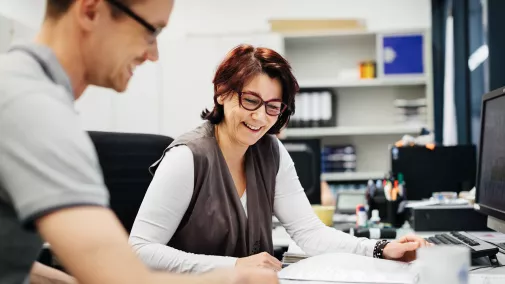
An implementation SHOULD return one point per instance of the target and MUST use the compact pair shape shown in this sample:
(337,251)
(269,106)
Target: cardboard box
(307,25)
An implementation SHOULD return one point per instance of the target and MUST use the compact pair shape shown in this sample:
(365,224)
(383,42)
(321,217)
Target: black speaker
(443,168)
(306,155)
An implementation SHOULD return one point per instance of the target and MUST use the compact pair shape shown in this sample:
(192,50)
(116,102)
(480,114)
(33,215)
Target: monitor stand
(499,226)
(496,224)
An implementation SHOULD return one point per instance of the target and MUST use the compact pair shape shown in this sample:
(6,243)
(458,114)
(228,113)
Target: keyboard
(478,248)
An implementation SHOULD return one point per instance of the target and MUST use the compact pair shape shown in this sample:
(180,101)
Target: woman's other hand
(263,260)
(404,249)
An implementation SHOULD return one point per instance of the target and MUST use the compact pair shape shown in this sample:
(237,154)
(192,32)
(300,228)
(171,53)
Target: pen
(387,190)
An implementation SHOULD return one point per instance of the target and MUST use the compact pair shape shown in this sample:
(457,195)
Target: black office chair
(125,159)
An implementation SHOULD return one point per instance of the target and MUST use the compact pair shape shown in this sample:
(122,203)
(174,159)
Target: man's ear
(88,13)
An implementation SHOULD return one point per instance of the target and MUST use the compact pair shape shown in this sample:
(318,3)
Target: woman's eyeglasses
(251,101)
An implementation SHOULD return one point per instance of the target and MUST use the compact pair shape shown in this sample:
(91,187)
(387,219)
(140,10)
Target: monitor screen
(491,173)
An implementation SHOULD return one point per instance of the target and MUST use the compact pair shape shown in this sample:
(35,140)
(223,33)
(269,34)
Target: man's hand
(42,274)
(404,249)
(92,245)
(263,260)
(245,275)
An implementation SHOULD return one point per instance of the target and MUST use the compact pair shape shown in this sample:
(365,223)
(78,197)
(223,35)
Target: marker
(402,185)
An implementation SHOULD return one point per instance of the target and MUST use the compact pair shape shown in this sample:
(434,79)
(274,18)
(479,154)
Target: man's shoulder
(21,77)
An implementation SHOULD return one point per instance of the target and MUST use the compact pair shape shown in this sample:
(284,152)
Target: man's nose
(152,53)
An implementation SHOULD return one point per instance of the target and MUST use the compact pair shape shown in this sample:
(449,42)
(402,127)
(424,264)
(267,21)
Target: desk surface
(281,238)
(484,275)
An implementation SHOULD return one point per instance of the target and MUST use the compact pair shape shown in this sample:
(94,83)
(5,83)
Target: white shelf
(351,131)
(377,82)
(351,176)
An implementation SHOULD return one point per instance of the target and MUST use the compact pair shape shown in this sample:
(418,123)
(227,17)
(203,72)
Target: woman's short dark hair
(240,66)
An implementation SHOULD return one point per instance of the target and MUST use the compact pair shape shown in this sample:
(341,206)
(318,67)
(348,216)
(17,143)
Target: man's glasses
(154,30)
(251,101)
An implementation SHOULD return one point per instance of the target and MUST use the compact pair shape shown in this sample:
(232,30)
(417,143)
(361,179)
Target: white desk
(477,277)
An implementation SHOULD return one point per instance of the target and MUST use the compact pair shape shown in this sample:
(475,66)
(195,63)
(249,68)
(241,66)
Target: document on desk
(486,279)
(348,268)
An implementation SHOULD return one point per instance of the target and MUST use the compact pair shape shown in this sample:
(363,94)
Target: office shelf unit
(365,115)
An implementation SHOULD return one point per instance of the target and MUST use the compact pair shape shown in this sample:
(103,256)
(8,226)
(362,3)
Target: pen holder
(389,211)
(394,217)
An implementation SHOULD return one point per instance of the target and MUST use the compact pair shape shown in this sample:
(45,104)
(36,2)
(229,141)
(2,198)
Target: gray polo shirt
(47,162)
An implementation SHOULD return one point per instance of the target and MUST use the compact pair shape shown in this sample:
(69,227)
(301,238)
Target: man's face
(114,46)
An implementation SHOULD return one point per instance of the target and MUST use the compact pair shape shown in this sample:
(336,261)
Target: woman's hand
(263,260)
(404,249)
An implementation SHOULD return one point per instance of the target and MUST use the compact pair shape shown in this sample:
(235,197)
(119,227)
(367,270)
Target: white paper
(349,268)
(486,279)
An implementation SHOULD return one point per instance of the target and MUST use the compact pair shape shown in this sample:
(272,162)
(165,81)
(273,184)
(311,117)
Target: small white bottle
(375,219)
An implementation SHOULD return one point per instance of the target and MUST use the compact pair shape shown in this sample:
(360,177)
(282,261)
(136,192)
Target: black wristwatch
(378,250)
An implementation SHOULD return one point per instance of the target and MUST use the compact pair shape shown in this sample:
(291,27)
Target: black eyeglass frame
(155,31)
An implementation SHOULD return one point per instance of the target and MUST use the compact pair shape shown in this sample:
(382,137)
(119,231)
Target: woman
(215,189)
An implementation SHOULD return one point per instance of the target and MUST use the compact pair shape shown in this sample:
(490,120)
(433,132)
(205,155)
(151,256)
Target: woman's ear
(220,99)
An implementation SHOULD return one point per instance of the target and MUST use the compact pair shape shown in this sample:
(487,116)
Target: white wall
(27,12)
(138,109)
(12,31)
(19,20)
(224,16)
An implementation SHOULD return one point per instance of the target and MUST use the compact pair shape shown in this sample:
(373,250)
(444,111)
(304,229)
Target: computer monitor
(306,155)
(490,181)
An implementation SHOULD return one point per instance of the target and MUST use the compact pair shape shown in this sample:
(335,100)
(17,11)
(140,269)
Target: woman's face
(246,127)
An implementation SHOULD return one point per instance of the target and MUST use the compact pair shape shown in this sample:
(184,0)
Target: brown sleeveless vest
(215,222)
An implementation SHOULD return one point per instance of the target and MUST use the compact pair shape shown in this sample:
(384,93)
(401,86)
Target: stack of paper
(293,255)
(290,258)
(349,268)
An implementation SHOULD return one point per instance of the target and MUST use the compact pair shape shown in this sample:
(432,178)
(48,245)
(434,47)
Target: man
(51,186)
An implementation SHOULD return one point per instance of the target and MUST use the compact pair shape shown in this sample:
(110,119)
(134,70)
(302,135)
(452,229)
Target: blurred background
(375,75)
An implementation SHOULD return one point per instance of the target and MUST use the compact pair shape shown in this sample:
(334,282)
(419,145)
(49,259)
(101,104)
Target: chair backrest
(125,159)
